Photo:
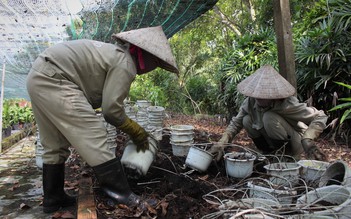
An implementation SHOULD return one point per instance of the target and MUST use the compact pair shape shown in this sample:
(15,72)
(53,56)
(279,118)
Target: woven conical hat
(154,41)
(266,83)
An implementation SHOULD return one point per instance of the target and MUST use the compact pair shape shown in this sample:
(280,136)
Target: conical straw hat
(266,83)
(154,41)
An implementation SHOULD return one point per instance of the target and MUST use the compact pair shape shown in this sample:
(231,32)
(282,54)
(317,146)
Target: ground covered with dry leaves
(173,190)
(170,188)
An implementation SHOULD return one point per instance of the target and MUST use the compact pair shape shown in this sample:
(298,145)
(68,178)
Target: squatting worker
(274,119)
(71,79)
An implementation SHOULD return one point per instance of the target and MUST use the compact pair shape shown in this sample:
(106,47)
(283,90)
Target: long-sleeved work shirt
(308,121)
(103,71)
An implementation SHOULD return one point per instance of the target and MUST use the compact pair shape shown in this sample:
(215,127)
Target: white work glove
(218,149)
(312,151)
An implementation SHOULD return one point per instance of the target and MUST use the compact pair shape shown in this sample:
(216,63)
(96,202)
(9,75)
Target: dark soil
(170,188)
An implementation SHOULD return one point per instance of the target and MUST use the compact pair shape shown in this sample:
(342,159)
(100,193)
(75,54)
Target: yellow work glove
(137,134)
(218,149)
(312,151)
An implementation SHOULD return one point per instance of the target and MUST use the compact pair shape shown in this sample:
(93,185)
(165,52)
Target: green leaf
(343,84)
(340,106)
(346,99)
(345,116)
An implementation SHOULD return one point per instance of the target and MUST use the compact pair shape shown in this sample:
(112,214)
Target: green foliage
(249,52)
(6,114)
(323,52)
(16,111)
(143,88)
(202,91)
(346,107)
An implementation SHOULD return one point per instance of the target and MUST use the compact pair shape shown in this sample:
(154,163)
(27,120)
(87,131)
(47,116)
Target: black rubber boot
(278,145)
(113,182)
(263,145)
(53,186)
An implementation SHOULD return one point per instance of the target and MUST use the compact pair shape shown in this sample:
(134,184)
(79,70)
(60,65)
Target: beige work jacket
(103,71)
(308,121)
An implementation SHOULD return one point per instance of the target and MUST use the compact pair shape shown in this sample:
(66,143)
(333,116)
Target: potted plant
(239,164)
(14,115)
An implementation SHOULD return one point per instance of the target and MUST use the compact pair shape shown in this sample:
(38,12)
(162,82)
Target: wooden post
(286,57)
(2,100)
(86,201)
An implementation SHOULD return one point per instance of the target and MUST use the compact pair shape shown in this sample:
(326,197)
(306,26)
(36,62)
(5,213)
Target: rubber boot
(113,182)
(262,145)
(53,186)
(278,145)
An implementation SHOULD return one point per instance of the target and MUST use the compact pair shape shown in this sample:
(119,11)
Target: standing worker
(274,119)
(67,82)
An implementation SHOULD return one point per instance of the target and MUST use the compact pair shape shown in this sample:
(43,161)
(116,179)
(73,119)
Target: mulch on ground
(173,190)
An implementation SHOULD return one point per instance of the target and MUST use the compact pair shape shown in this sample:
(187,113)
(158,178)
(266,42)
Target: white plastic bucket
(143,122)
(181,137)
(156,117)
(39,150)
(283,173)
(267,205)
(156,110)
(239,164)
(182,129)
(143,103)
(337,173)
(183,143)
(198,159)
(155,122)
(156,132)
(180,150)
(39,160)
(284,196)
(333,200)
(312,170)
(139,162)
(130,110)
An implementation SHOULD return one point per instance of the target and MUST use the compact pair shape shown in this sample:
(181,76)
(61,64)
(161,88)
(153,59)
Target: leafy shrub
(346,106)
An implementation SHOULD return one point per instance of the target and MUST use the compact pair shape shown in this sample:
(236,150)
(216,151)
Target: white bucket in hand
(139,162)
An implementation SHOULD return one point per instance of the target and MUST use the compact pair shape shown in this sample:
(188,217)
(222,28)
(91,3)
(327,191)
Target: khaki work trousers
(277,128)
(65,118)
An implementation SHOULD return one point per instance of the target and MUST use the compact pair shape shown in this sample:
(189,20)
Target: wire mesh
(27,27)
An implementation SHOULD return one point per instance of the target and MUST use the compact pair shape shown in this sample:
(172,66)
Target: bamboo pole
(2,100)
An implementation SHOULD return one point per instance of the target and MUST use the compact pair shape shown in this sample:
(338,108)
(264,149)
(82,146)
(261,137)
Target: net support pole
(2,99)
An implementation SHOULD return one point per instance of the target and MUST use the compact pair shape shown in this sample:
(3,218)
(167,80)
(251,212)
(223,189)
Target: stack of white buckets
(111,134)
(155,121)
(151,119)
(142,114)
(182,137)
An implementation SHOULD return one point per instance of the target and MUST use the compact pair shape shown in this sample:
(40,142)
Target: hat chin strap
(145,61)
(136,51)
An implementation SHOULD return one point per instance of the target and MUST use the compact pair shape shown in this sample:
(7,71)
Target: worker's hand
(218,149)
(312,151)
(137,134)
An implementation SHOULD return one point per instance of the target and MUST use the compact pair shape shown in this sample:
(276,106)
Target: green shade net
(27,27)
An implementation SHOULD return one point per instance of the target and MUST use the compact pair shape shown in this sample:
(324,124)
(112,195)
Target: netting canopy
(27,27)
